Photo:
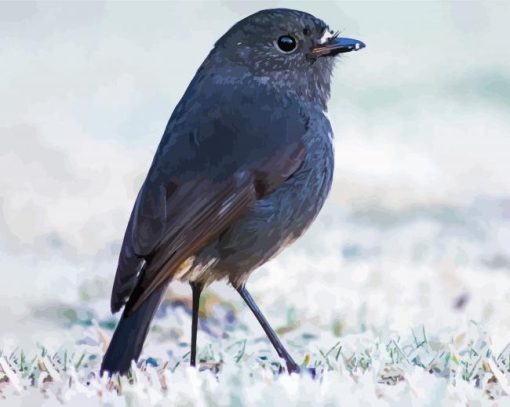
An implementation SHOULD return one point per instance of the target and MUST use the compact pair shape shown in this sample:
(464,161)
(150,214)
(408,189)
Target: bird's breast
(309,187)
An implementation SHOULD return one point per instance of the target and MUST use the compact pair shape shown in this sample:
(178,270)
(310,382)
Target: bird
(243,168)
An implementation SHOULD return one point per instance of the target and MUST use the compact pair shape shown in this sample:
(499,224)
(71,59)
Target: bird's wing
(212,164)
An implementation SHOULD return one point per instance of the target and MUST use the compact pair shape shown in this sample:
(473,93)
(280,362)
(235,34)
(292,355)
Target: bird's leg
(197,290)
(292,366)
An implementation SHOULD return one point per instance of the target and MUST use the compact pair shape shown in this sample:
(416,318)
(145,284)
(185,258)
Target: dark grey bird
(243,168)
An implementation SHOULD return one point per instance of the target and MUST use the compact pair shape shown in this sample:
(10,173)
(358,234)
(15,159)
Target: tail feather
(129,336)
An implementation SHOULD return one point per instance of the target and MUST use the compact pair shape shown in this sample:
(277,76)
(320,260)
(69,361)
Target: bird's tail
(129,336)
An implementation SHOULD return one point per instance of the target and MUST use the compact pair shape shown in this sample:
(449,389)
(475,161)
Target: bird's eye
(286,44)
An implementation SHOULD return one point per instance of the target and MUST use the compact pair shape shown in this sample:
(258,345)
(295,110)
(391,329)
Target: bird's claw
(294,368)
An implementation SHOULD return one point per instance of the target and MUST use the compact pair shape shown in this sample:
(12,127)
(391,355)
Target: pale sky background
(421,120)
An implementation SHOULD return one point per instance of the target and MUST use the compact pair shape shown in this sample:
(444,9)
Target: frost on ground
(360,369)
(389,310)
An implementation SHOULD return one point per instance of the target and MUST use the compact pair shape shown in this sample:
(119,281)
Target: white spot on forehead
(326,36)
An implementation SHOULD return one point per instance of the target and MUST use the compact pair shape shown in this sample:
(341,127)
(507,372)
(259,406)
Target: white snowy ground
(382,328)
(398,295)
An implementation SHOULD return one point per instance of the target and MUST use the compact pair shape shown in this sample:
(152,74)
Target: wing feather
(210,167)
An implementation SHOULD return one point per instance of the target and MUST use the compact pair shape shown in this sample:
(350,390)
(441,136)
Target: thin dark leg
(271,334)
(197,290)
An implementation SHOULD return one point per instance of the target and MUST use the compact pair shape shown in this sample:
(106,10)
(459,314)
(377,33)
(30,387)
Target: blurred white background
(420,211)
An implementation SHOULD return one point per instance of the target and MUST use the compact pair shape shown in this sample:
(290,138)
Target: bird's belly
(275,220)
(272,224)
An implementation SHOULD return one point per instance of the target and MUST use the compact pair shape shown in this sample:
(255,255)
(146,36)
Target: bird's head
(285,47)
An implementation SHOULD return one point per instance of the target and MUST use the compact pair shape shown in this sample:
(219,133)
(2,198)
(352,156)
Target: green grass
(384,371)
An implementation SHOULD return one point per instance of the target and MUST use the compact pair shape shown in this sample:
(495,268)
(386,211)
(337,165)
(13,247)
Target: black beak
(337,45)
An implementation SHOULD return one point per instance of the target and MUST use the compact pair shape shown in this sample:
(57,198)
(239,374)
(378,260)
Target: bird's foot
(294,368)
